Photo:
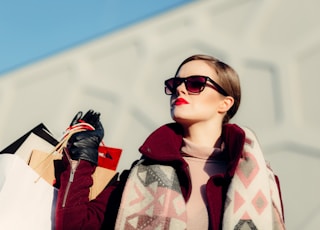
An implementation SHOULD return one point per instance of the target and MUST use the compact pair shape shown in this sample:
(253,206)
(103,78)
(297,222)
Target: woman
(199,172)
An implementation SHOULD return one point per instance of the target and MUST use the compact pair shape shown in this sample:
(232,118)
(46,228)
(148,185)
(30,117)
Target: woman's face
(188,108)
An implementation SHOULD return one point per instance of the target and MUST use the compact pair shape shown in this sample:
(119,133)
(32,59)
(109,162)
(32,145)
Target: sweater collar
(190,149)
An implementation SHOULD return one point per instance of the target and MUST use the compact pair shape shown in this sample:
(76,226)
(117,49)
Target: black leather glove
(84,145)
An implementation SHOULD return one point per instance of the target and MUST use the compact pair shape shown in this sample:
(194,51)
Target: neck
(203,134)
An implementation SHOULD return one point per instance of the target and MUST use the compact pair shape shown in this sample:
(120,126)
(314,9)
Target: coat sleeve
(73,208)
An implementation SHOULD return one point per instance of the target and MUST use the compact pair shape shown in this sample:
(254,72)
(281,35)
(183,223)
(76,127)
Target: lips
(180,101)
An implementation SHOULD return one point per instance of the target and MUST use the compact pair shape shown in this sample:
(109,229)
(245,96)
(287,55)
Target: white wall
(274,46)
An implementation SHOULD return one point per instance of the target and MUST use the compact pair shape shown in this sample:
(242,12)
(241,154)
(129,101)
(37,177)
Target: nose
(181,89)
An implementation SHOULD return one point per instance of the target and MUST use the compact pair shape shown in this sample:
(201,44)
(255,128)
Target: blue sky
(34,29)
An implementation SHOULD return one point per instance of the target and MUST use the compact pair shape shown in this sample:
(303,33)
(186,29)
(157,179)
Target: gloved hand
(84,145)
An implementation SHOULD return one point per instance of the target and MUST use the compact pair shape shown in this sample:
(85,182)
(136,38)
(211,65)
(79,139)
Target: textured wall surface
(274,46)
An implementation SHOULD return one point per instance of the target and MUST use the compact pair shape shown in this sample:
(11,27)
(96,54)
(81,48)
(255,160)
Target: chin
(182,120)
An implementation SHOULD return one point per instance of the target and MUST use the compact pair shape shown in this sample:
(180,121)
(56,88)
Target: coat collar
(164,143)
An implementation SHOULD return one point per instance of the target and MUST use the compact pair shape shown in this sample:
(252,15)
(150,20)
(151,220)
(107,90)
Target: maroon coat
(162,146)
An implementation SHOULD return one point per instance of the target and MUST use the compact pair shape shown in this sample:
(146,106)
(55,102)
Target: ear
(226,104)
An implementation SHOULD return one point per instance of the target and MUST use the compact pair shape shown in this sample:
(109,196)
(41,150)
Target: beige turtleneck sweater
(203,162)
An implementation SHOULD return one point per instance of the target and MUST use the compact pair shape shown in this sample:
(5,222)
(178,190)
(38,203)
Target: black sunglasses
(195,84)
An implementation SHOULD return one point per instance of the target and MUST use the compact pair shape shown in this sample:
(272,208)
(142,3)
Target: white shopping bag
(26,201)
(31,143)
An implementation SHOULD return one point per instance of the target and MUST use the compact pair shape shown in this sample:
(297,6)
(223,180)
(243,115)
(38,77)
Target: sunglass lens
(195,84)
(170,86)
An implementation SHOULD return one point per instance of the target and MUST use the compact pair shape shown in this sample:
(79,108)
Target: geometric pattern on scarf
(152,199)
(253,200)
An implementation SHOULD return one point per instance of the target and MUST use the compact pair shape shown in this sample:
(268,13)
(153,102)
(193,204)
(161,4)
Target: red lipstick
(180,101)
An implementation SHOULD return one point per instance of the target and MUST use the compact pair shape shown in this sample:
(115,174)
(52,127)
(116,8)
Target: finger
(76,118)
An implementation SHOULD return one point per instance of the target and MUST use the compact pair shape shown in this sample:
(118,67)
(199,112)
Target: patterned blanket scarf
(253,200)
(152,198)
